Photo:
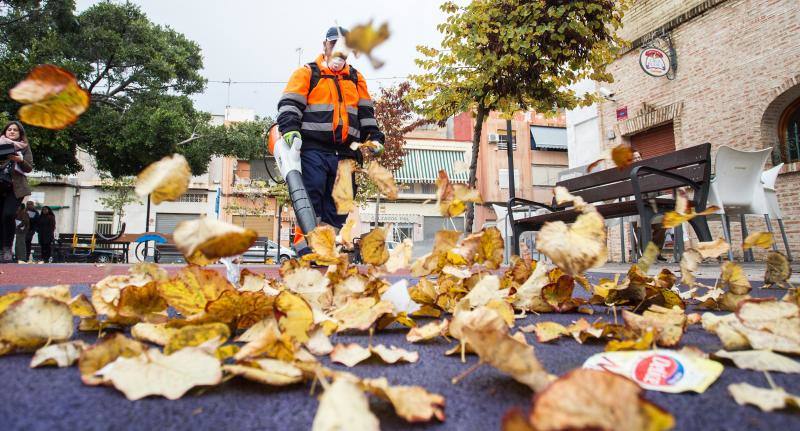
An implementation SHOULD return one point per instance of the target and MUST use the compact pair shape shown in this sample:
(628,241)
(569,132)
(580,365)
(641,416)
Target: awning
(422,166)
(551,138)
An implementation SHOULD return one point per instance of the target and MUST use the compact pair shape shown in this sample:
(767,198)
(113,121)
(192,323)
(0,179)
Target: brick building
(734,80)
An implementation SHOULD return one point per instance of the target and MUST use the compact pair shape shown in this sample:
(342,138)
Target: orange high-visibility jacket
(335,113)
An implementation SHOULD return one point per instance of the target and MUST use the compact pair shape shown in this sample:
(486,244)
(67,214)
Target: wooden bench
(686,167)
(88,248)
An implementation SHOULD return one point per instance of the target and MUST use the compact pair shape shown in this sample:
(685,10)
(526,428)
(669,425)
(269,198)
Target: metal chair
(768,179)
(736,188)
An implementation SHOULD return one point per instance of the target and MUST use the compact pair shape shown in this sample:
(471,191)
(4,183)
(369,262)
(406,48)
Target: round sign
(658,370)
(654,62)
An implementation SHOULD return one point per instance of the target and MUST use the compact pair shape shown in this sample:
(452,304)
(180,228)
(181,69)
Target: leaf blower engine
(288,160)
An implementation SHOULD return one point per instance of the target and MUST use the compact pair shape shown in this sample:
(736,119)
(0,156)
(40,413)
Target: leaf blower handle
(288,161)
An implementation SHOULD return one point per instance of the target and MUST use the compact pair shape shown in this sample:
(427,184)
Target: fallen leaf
(591,399)
(207,239)
(382,178)
(548,331)
(365,37)
(758,239)
(61,354)
(398,295)
(156,333)
(164,180)
(373,247)
(80,307)
(343,186)
(487,289)
(349,355)
(318,343)
(778,269)
(343,406)
(190,290)
(322,241)
(361,313)
(195,335)
(51,97)
(764,398)
(269,342)
(734,279)
(294,315)
(668,324)
(760,360)
(392,354)
(643,342)
(485,331)
(170,376)
(104,352)
(575,248)
(10,298)
(412,403)
(142,302)
(400,256)
(428,331)
(60,292)
(34,321)
(270,372)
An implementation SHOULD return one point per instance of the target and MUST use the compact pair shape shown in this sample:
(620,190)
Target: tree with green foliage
(117,193)
(140,76)
(515,55)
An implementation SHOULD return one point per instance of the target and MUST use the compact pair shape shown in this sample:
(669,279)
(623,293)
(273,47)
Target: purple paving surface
(55,399)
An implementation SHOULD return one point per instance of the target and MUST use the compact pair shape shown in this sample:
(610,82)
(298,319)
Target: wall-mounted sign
(654,62)
(622,113)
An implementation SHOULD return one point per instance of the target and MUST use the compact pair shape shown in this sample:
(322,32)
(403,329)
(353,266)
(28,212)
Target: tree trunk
(473,165)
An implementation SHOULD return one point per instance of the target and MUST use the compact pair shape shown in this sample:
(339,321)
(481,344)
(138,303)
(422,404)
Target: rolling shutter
(165,223)
(261,224)
(654,142)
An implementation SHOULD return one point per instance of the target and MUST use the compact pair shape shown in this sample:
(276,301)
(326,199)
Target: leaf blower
(288,160)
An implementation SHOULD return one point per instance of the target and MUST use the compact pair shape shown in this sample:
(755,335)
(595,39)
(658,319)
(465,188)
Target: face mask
(336,64)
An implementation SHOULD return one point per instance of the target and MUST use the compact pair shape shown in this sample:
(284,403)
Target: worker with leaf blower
(324,109)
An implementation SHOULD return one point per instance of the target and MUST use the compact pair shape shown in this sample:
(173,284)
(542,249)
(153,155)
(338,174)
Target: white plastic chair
(736,188)
(768,179)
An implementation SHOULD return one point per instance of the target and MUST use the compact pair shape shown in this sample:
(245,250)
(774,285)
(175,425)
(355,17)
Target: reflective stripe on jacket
(336,113)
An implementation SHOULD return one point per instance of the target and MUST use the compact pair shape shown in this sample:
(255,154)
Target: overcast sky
(256,40)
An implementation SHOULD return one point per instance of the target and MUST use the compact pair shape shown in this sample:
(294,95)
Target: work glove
(377,150)
(289,137)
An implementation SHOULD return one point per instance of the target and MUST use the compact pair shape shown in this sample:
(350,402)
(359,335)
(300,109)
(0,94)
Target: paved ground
(55,399)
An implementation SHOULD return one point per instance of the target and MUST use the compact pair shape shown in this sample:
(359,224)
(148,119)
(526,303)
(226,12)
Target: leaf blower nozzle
(288,160)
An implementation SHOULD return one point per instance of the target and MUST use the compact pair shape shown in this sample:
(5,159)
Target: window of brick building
(789,129)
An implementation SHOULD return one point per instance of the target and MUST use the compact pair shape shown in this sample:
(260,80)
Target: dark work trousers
(319,174)
(8,212)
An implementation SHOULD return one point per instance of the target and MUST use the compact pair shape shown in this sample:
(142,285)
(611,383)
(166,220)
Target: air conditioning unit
(494,138)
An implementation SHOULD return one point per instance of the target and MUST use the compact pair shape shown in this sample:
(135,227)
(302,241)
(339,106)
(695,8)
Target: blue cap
(333,34)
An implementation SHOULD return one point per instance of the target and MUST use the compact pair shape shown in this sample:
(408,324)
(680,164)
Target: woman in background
(47,232)
(21,232)
(17,162)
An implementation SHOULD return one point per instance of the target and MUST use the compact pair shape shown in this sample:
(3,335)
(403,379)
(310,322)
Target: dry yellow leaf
(485,331)
(734,279)
(318,343)
(412,403)
(61,354)
(343,406)
(428,331)
(195,335)
(767,399)
(452,198)
(164,180)
(51,97)
(270,372)
(761,360)
(294,315)
(10,298)
(34,321)
(393,354)
(269,342)
(106,351)
(575,248)
(548,331)
(360,313)
(142,302)
(350,354)
(343,186)
(322,241)
(382,178)
(80,307)
(712,249)
(59,293)
(373,247)
(207,239)
(170,376)
(669,324)
(156,333)
(758,239)
(242,308)
(400,256)
(643,342)
(591,399)
(365,37)
(192,288)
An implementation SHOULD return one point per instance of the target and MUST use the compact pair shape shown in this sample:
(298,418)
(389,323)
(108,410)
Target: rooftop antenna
(299,54)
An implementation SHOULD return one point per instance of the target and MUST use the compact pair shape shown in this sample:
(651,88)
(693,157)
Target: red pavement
(85,273)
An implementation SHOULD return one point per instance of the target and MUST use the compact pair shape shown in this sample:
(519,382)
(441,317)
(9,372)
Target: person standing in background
(33,216)
(23,226)
(16,162)
(47,232)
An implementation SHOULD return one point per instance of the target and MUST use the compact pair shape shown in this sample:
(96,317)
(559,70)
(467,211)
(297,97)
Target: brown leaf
(343,187)
(590,399)
(191,289)
(51,97)
(104,352)
(322,241)
(196,335)
(575,248)
(270,372)
(382,178)
(622,156)
(778,269)
(734,279)
(295,317)
(669,324)
(412,403)
(373,247)
(428,331)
